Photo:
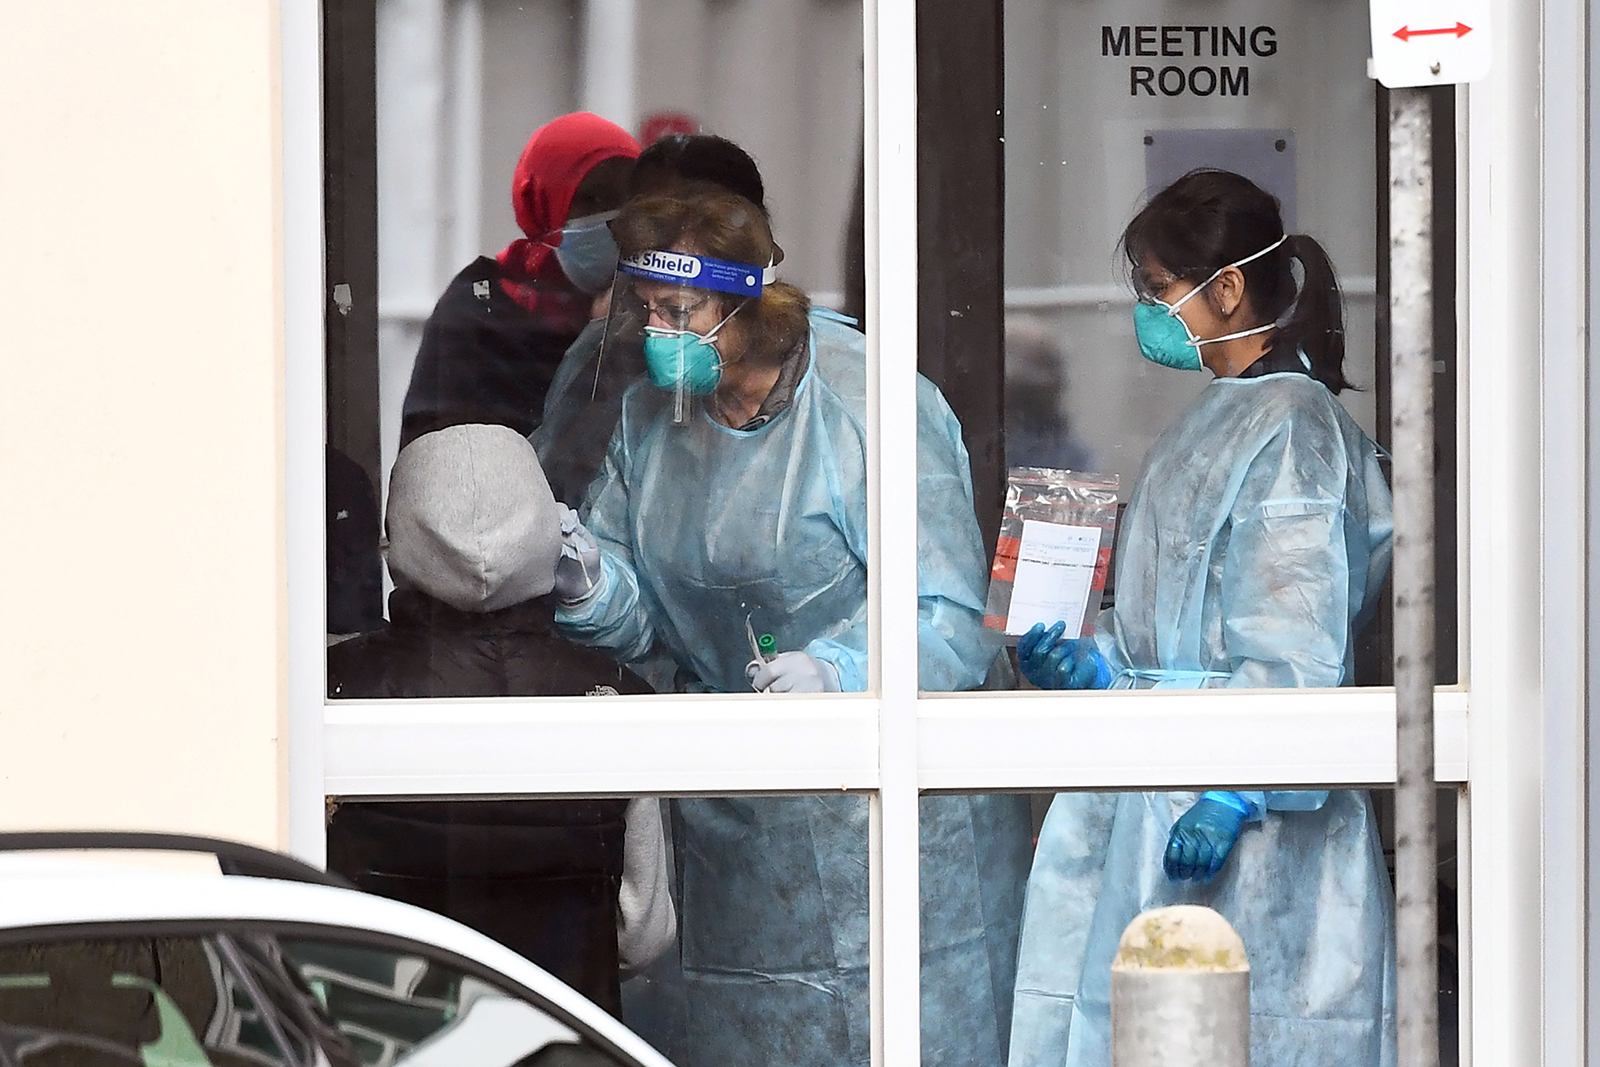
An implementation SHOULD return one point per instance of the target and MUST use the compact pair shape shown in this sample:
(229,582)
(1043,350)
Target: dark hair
(1208,219)
(697,157)
(708,220)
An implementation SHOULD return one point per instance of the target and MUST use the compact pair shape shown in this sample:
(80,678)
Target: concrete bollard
(1180,992)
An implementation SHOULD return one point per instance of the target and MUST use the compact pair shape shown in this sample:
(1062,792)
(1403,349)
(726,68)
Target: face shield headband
(677,358)
(699,272)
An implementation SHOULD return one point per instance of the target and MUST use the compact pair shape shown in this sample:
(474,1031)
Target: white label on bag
(1055,573)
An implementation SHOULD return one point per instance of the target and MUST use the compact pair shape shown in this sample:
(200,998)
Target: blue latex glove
(1204,835)
(1052,663)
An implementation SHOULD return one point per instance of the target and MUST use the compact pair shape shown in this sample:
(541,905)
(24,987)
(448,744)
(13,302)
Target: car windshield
(254,1000)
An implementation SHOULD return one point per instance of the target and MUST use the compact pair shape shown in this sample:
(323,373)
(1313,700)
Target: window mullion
(1175,740)
(303,303)
(891,246)
(600,745)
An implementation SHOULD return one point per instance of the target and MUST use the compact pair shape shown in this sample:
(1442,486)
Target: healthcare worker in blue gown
(1253,549)
(732,504)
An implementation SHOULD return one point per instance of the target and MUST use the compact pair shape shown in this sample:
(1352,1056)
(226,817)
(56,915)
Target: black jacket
(430,649)
(540,876)
(483,358)
(355,570)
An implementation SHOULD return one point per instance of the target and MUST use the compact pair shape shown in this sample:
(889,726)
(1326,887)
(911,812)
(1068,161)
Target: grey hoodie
(471,519)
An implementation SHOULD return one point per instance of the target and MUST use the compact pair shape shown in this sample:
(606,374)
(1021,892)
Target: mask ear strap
(1236,336)
(1251,258)
(1255,255)
(710,335)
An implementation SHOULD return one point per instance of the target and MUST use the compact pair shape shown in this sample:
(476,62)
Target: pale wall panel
(141,632)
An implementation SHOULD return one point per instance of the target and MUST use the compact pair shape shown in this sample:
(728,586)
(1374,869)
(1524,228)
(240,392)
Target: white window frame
(892,741)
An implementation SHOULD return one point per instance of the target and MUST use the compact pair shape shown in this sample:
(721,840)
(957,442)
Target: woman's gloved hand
(1052,663)
(1203,836)
(578,569)
(796,672)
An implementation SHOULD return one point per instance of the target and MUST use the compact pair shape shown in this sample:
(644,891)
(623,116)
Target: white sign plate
(1429,42)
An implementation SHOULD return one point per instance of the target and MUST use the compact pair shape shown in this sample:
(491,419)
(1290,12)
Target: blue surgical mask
(683,357)
(587,252)
(1166,339)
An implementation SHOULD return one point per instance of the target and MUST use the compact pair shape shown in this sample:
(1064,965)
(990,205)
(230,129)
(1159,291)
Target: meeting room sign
(1215,59)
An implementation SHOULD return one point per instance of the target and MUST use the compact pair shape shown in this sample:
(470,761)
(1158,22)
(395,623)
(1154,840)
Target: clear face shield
(673,306)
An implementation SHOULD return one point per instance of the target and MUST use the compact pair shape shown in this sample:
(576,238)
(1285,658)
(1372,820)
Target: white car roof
(52,893)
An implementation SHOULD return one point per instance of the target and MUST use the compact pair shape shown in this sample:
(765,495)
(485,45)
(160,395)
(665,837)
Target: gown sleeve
(1286,580)
(954,650)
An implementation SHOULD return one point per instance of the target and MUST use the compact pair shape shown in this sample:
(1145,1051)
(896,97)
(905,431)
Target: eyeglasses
(1148,287)
(675,309)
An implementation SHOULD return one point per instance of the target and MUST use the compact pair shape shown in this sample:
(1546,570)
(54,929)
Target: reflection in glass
(401,1009)
(159,1001)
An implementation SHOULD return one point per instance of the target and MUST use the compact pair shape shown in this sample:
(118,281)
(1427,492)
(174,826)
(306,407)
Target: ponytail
(1316,321)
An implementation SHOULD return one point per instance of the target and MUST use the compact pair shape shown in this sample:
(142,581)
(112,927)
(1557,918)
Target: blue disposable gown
(702,526)
(1254,545)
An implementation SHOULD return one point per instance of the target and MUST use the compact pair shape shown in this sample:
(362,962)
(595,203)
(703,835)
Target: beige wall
(141,483)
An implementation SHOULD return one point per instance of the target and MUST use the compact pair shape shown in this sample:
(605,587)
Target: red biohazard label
(1005,559)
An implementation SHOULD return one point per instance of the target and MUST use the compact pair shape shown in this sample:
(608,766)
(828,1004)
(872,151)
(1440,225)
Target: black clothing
(539,876)
(582,410)
(483,358)
(433,650)
(1278,361)
(355,571)
(781,395)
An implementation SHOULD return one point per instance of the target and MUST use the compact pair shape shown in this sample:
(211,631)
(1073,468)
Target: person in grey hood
(577,886)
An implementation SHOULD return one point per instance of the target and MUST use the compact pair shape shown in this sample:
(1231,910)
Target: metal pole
(1411,375)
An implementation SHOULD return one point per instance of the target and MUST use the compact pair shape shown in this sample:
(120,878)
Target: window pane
(1062,227)
(541,877)
(474,233)
(1305,879)
(155,1001)
(746,941)
(974,852)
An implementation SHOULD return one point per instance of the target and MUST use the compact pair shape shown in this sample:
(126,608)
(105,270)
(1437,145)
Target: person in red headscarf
(496,336)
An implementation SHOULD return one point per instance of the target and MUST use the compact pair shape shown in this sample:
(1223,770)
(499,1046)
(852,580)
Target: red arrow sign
(1460,29)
